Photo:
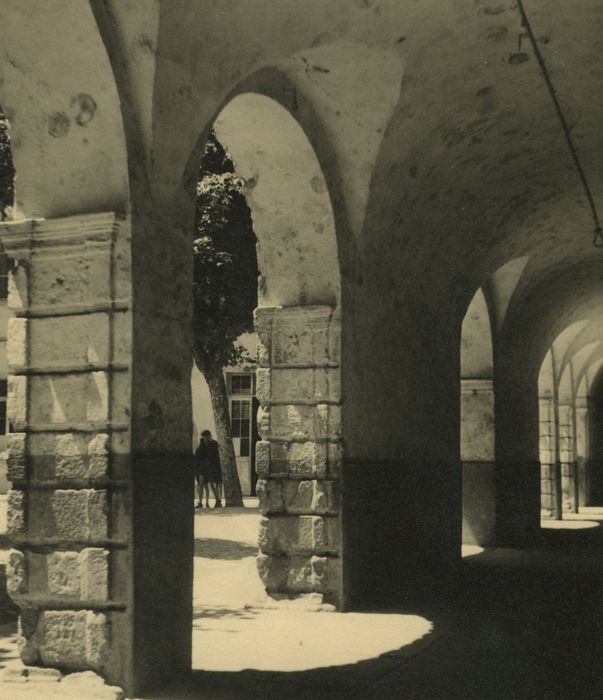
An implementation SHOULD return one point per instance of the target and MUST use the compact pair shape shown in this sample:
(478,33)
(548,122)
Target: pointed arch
(477,424)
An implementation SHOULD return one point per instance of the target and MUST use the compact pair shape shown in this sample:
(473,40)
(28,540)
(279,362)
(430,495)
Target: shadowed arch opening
(289,201)
(477,424)
(557,389)
(294,383)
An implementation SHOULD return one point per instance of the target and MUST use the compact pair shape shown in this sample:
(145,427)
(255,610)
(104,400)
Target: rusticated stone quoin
(16,462)
(17,573)
(298,458)
(16,512)
(300,574)
(298,497)
(74,639)
(306,533)
(69,396)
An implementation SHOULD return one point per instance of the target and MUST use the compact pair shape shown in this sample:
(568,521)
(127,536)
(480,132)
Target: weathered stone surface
(121,397)
(122,337)
(16,342)
(82,576)
(63,569)
(311,496)
(295,346)
(99,280)
(298,335)
(16,405)
(71,639)
(272,572)
(263,350)
(303,459)
(79,277)
(68,456)
(97,635)
(292,384)
(70,340)
(16,573)
(305,384)
(74,398)
(98,397)
(262,458)
(263,421)
(94,577)
(18,293)
(71,514)
(263,386)
(286,535)
(477,420)
(298,497)
(301,422)
(299,459)
(98,456)
(71,458)
(270,495)
(16,504)
(299,574)
(17,460)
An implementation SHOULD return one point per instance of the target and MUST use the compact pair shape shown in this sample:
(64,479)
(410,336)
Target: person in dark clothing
(208,469)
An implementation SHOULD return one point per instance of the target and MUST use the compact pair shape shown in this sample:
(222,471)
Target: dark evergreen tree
(7,171)
(224,290)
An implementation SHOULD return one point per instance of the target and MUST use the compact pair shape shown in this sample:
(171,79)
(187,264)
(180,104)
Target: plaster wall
(443,161)
(477,455)
(477,425)
(289,201)
(72,128)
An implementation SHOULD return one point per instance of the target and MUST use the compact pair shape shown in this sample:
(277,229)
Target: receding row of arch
(569,385)
(413,400)
(570,381)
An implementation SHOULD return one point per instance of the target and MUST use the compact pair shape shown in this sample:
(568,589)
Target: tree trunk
(219,402)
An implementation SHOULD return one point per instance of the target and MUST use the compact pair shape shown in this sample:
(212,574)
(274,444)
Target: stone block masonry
(299,456)
(69,385)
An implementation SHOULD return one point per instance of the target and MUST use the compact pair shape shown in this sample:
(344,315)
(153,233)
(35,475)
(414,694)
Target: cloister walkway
(523,624)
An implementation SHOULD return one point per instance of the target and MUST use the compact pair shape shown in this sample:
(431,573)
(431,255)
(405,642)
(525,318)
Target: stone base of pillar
(518,504)
(479,503)
(298,459)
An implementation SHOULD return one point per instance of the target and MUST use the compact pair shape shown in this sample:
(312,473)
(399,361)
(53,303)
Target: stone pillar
(547,456)
(69,406)
(477,456)
(299,456)
(581,410)
(567,457)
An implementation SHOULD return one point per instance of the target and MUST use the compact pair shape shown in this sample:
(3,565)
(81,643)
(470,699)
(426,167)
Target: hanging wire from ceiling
(597,231)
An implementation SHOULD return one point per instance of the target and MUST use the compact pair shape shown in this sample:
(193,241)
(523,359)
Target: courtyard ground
(524,624)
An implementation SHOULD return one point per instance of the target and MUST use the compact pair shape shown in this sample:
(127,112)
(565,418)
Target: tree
(224,290)
(7,171)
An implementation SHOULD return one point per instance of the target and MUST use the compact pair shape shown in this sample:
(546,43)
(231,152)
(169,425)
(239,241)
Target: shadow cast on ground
(213,548)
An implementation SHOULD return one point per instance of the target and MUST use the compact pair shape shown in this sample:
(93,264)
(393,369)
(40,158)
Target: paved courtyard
(505,637)
(233,630)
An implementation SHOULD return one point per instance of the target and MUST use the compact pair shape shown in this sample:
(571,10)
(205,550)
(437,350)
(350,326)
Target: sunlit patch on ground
(275,640)
(471,550)
(567,524)
(228,636)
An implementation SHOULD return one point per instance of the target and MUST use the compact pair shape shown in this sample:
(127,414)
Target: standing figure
(208,470)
